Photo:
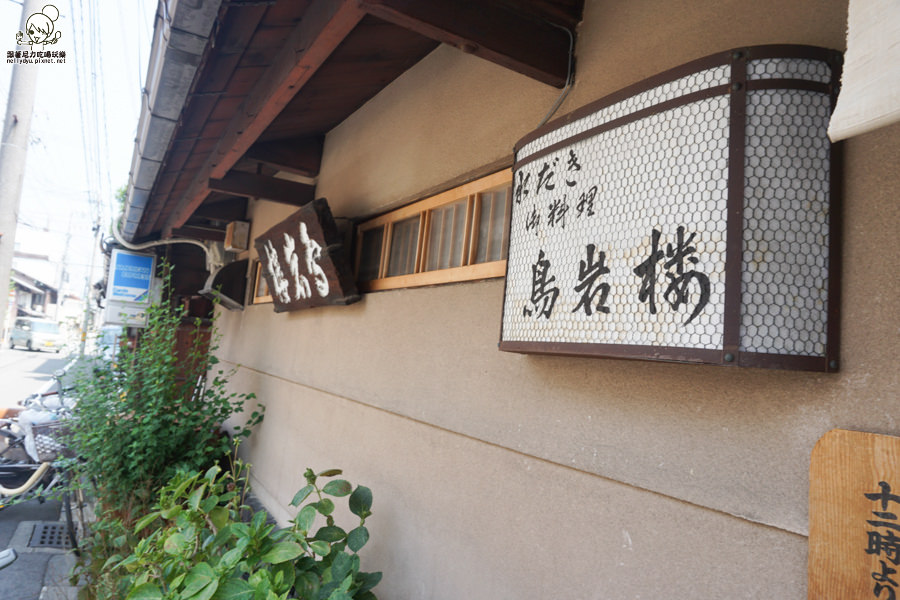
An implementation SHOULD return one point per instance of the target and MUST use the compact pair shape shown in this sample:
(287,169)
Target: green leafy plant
(157,408)
(205,543)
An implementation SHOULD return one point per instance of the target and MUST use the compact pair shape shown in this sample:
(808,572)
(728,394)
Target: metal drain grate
(49,535)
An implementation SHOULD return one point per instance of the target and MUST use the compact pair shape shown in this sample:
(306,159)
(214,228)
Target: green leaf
(196,496)
(306,517)
(330,473)
(219,516)
(209,503)
(368,581)
(212,472)
(175,543)
(173,585)
(144,521)
(171,513)
(331,534)
(234,589)
(230,559)
(320,548)
(361,502)
(339,595)
(282,552)
(338,488)
(309,476)
(285,573)
(198,582)
(341,566)
(302,495)
(258,521)
(324,506)
(357,538)
(145,591)
(184,485)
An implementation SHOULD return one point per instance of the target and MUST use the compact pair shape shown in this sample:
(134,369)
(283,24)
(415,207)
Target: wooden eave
(278,75)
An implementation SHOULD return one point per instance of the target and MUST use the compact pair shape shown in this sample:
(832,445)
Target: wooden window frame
(470,192)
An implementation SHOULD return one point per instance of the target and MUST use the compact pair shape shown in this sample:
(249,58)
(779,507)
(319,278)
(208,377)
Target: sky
(82,130)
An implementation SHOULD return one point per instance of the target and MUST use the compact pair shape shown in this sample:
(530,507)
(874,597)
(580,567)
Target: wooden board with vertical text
(854,516)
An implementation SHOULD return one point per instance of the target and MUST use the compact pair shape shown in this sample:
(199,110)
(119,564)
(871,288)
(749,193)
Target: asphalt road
(23,372)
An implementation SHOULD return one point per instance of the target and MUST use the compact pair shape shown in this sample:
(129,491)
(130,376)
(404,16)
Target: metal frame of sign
(736,89)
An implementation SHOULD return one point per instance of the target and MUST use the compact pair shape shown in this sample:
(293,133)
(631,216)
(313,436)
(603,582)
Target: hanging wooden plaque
(304,261)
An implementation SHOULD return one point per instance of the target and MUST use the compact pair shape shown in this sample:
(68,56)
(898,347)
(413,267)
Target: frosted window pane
(370,256)
(492,226)
(405,236)
(446,236)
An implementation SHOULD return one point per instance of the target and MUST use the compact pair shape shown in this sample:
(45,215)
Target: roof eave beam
(488,29)
(324,26)
(301,156)
(264,188)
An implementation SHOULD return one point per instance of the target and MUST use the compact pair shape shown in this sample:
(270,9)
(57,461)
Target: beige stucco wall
(499,475)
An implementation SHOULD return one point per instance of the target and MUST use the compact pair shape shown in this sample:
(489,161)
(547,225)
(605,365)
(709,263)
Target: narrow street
(23,372)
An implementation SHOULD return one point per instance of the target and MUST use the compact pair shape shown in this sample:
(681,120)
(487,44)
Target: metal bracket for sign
(692,217)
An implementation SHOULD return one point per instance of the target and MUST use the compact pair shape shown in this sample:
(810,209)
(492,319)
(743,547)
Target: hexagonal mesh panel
(786,206)
(668,91)
(789,68)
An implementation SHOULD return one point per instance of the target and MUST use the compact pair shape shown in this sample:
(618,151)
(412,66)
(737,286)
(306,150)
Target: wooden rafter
(301,156)
(489,29)
(324,26)
(268,188)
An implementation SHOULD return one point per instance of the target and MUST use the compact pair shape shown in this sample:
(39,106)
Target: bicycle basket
(49,441)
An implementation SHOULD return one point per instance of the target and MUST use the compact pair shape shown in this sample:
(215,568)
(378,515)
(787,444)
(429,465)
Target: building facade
(504,475)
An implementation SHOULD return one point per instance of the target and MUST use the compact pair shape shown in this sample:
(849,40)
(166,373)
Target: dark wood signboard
(304,261)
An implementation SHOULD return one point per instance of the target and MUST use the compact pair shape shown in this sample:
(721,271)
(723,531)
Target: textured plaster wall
(510,476)
(458,518)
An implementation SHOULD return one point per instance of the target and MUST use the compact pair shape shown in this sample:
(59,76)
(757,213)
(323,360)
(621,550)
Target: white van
(36,334)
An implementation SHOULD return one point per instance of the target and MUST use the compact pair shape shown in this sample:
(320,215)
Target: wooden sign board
(304,261)
(854,516)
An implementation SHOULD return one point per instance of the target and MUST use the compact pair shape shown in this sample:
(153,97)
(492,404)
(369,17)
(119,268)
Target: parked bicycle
(31,464)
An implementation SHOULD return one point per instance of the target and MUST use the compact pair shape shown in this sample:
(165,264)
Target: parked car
(36,334)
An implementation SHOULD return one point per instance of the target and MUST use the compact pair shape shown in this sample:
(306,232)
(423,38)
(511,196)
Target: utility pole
(16,128)
(87,290)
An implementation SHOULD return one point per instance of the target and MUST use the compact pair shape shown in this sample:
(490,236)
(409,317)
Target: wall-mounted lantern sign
(304,261)
(692,217)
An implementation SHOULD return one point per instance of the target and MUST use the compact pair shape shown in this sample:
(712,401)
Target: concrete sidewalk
(40,572)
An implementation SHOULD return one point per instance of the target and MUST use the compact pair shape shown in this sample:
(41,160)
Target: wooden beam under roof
(267,188)
(489,29)
(301,156)
(199,233)
(324,26)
